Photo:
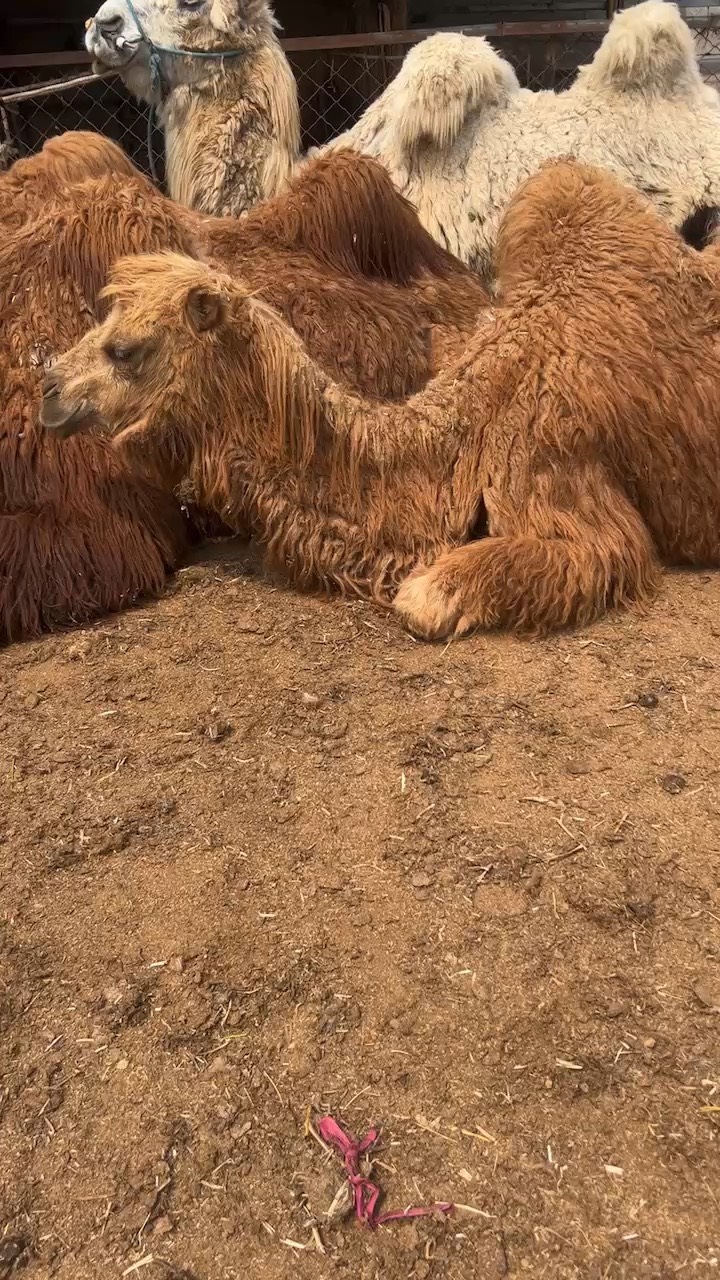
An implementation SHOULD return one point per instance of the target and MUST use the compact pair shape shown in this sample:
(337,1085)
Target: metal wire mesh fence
(335,85)
(104,107)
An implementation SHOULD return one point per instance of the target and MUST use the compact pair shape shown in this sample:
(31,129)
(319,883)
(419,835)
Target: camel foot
(428,610)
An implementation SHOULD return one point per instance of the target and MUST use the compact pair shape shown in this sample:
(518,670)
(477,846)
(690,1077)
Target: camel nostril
(51,387)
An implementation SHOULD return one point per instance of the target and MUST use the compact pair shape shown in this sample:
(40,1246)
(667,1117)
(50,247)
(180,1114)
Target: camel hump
(648,48)
(442,80)
(344,208)
(574,224)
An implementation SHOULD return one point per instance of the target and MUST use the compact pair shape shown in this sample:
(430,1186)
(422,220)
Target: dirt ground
(261,854)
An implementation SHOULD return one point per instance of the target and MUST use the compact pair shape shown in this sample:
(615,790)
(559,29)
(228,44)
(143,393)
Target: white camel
(459,135)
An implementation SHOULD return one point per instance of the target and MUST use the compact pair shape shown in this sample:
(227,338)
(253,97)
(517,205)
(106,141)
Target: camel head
(185,356)
(187,364)
(152,358)
(119,36)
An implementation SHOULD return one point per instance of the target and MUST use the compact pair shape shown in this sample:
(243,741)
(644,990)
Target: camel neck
(232,139)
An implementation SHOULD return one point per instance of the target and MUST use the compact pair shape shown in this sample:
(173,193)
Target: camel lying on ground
(79,533)
(454,128)
(538,481)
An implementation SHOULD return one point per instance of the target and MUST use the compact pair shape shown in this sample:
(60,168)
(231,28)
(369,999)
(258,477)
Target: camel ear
(237,17)
(205,308)
(224,15)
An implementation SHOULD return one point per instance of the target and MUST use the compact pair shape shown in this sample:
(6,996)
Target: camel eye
(123,354)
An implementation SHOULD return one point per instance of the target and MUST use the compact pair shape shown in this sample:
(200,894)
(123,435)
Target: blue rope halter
(157,81)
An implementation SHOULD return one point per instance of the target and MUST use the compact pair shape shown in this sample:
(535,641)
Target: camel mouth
(61,419)
(114,51)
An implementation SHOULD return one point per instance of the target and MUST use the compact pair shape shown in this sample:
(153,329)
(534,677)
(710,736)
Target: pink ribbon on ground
(366,1195)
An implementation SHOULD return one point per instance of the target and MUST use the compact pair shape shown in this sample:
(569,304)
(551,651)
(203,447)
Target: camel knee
(429,608)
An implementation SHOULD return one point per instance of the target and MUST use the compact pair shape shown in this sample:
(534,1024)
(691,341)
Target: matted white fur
(459,135)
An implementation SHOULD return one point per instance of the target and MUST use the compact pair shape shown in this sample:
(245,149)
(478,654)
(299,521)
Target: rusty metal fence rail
(337,78)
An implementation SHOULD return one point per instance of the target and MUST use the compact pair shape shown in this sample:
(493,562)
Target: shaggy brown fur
(344,259)
(31,184)
(348,213)
(579,430)
(341,255)
(372,332)
(79,534)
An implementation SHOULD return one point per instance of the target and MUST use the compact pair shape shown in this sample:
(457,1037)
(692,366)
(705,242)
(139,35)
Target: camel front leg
(567,559)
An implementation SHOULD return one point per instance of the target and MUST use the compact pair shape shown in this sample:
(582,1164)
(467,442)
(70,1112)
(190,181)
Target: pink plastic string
(365,1194)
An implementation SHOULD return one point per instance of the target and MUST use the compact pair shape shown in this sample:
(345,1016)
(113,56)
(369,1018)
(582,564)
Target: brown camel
(329,256)
(79,533)
(578,432)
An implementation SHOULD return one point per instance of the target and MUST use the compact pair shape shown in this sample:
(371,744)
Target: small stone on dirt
(579,768)
(31,702)
(336,729)
(11,1250)
(310,700)
(615,1009)
(331,884)
(421,880)
(161,1226)
(647,700)
(641,909)
(217,730)
(176,964)
(534,880)
(673,783)
(79,650)
(708,993)
(480,758)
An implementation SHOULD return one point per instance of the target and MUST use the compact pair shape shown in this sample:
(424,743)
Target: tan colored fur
(225,155)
